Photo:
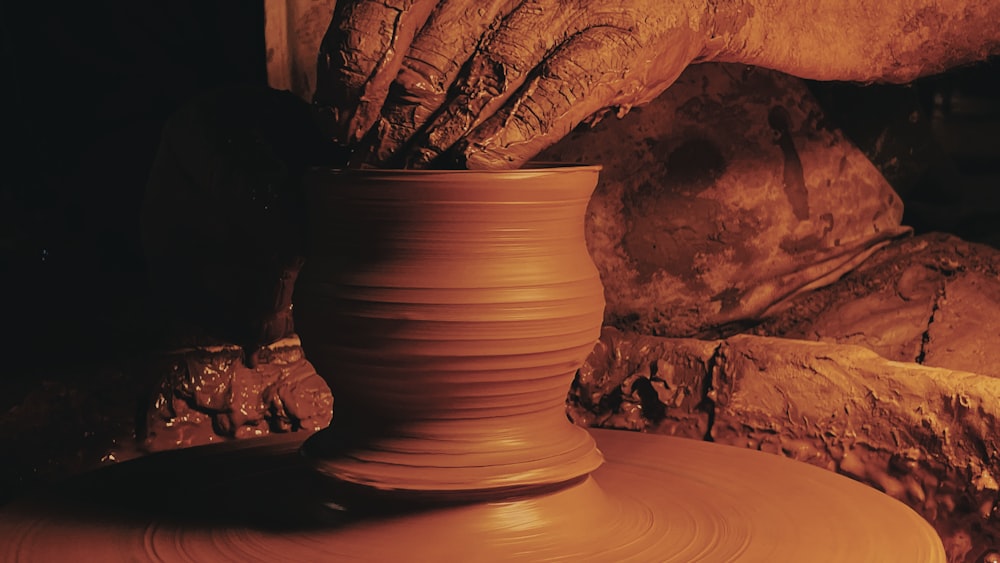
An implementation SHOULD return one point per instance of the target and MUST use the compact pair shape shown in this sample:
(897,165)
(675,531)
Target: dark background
(88,86)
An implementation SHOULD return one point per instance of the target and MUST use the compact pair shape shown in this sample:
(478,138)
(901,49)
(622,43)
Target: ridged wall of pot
(449,311)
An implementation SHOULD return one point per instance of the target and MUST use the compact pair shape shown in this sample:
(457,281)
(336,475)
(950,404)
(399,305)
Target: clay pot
(449,312)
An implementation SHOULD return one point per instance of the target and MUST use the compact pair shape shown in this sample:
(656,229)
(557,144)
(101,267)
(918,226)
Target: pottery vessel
(449,312)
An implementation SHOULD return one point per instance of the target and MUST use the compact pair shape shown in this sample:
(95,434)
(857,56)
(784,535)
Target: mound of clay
(723,198)
(211,394)
(932,299)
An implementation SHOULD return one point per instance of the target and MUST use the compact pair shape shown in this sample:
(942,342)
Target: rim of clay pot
(530,168)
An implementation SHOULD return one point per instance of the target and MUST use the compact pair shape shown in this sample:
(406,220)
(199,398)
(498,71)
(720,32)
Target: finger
(498,68)
(604,68)
(430,67)
(360,55)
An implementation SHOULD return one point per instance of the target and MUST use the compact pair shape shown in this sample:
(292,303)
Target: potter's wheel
(655,499)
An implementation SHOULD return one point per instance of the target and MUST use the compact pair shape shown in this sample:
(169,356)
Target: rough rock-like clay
(926,436)
(931,299)
(722,199)
(645,383)
(210,394)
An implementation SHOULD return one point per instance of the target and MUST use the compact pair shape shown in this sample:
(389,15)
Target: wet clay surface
(656,498)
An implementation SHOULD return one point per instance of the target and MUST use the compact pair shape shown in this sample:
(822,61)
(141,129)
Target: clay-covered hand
(490,83)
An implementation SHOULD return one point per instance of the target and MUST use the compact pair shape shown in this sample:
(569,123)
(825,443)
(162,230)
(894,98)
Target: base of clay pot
(655,499)
(424,463)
